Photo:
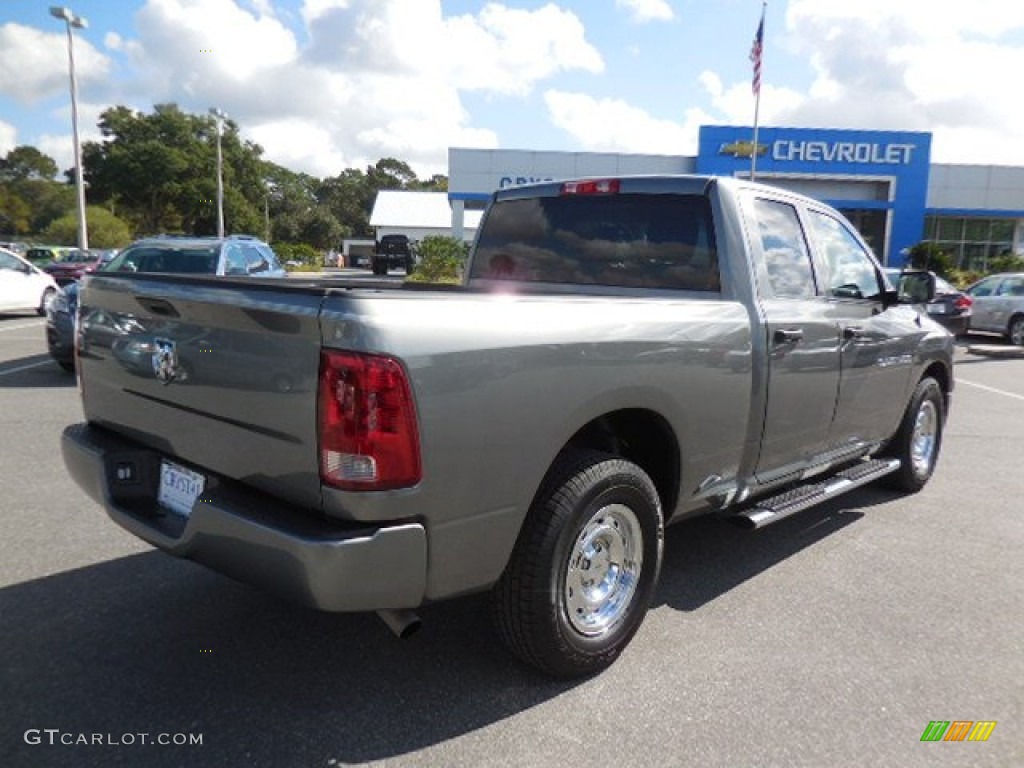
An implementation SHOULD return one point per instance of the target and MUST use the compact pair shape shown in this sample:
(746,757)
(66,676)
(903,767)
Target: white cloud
(34,64)
(508,50)
(61,146)
(613,125)
(914,65)
(371,78)
(8,137)
(643,11)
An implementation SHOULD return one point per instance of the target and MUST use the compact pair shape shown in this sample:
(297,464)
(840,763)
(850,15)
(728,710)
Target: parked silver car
(999,306)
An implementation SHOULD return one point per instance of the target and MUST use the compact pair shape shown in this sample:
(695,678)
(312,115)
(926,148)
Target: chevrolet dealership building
(883,181)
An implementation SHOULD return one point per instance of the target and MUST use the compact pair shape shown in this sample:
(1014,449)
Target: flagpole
(757,55)
(753,152)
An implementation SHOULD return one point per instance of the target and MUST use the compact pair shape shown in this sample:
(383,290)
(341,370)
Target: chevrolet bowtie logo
(742,149)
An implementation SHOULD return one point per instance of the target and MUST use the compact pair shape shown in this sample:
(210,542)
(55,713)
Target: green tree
(105,229)
(442,260)
(25,162)
(927,255)
(321,229)
(159,170)
(349,196)
(1006,262)
(436,183)
(15,215)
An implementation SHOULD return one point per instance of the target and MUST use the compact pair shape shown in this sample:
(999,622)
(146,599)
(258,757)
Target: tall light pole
(220,116)
(71,20)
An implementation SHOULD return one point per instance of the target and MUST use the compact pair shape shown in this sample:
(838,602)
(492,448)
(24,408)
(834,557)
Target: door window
(850,271)
(985,288)
(1012,286)
(786,258)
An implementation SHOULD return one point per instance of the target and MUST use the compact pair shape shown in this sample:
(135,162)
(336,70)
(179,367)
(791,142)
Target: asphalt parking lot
(832,638)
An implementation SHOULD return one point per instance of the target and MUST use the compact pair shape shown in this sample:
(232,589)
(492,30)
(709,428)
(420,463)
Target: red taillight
(596,187)
(368,435)
(963,302)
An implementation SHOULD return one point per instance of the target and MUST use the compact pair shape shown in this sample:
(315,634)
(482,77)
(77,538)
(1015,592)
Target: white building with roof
(417,215)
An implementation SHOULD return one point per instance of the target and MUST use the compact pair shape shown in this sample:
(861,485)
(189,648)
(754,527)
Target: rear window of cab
(622,240)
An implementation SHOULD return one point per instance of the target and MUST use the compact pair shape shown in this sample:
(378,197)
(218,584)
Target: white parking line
(24,367)
(20,327)
(989,389)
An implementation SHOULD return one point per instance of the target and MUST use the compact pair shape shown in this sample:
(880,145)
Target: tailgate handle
(155,306)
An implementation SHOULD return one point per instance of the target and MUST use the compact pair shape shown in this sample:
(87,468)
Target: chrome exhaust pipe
(404,623)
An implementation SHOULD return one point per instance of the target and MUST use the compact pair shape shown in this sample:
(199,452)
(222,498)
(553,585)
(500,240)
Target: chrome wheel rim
(926,432)
(1017,333)
(603,570)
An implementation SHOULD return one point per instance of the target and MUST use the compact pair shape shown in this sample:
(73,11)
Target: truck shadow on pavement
(724,556)
(146,644)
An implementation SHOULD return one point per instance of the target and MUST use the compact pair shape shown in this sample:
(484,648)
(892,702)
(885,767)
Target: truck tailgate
(221,372)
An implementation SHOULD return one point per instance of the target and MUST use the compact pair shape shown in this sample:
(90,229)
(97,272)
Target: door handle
(788,335)
(851,332)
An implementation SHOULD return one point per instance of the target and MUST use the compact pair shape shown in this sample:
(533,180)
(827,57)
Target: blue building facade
(879,179)
(883,181)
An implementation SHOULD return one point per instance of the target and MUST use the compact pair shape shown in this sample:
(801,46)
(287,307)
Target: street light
(70,20)
(220,115)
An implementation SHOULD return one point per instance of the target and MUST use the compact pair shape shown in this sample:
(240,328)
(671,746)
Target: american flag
(756,50)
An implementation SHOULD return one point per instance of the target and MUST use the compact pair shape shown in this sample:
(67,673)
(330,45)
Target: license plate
(937,309)
(179,488)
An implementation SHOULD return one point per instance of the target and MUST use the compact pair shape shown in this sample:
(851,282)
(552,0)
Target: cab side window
(850,272)
(787,260)
(234,261)
(255,261)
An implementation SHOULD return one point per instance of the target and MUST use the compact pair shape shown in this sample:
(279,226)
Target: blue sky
(327,84)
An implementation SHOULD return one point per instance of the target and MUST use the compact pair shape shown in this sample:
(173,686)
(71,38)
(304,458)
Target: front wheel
(919,438)
(44,303)
(584,568)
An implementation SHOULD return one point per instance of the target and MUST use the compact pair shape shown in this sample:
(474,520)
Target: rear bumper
(250,536)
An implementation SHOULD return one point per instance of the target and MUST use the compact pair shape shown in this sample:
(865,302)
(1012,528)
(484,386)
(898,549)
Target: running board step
(776,508)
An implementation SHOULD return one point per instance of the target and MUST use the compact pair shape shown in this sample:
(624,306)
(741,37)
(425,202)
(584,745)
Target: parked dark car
(78,263)
(44,255)
(237,255)
(951,307)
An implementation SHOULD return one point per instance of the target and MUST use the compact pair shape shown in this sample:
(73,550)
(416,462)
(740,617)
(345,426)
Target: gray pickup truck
(623,353)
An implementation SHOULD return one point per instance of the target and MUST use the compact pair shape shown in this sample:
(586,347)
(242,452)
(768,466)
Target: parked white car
(24,287)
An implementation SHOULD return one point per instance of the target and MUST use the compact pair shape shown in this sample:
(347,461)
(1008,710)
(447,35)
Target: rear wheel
(919,438)
(1015,332)
(584,568)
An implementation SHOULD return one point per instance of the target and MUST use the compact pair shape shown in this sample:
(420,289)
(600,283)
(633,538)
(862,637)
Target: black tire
(48,295)
(591,507)
(1015,331)
(918,440)
(67,365)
